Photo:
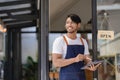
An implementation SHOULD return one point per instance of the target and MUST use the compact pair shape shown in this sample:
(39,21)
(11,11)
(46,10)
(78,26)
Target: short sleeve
(86,52)
(58,46)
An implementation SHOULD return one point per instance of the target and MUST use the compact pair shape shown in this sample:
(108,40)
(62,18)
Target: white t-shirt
(60,46)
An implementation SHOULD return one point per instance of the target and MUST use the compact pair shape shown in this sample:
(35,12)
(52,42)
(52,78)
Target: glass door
(108,38)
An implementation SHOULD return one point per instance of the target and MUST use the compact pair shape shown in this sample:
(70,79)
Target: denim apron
(73,71)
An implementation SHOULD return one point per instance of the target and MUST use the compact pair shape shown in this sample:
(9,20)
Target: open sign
(105,34)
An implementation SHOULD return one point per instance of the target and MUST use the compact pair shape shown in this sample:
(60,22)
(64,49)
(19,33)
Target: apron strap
(65,40)
(81,40)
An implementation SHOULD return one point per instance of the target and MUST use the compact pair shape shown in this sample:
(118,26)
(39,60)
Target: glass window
(109,37)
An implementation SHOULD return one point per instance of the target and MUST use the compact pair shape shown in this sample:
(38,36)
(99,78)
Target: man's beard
(72,31)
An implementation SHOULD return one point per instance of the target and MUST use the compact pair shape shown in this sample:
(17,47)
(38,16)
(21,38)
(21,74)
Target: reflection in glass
(108,20)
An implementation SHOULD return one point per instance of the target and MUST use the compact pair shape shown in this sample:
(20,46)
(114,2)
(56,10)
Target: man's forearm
(63,62)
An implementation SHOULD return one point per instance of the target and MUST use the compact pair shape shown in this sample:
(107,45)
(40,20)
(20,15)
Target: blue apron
(73,71)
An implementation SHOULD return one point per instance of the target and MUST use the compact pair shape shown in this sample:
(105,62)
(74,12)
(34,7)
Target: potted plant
(30,69)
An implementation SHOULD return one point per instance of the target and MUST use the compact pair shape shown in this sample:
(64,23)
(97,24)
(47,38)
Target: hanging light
(2,29)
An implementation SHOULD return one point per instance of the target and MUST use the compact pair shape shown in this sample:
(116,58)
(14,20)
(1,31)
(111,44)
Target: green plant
(30,69)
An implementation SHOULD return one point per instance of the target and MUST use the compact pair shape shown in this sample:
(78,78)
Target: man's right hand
(79,57)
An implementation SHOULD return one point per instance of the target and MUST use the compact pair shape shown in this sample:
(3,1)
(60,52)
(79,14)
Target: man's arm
(87,59)
(92,67)
(58,61)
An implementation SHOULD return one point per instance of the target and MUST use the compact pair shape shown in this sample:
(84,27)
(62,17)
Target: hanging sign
(105,34)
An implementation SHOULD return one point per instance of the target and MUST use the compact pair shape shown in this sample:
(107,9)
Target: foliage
(30,69)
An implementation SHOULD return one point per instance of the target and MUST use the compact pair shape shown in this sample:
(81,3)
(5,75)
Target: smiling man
(70,51)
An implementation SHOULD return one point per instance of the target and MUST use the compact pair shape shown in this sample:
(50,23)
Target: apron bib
(73,71)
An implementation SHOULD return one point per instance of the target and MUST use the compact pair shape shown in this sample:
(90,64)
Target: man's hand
(92,67)
(79,57)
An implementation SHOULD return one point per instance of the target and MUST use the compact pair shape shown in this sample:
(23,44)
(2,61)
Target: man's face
(71,26)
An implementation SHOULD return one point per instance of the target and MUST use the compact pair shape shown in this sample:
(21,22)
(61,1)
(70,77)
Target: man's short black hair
(75,18)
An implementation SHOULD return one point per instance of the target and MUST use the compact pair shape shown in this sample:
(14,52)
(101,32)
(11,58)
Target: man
(71,52)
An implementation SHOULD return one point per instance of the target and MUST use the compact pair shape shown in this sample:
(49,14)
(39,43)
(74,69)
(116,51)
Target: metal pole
(16,49)
(94,34)
(8,62)
(43,40)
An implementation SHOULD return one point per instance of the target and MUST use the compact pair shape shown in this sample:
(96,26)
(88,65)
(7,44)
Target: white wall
(29,45)
(2,49)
